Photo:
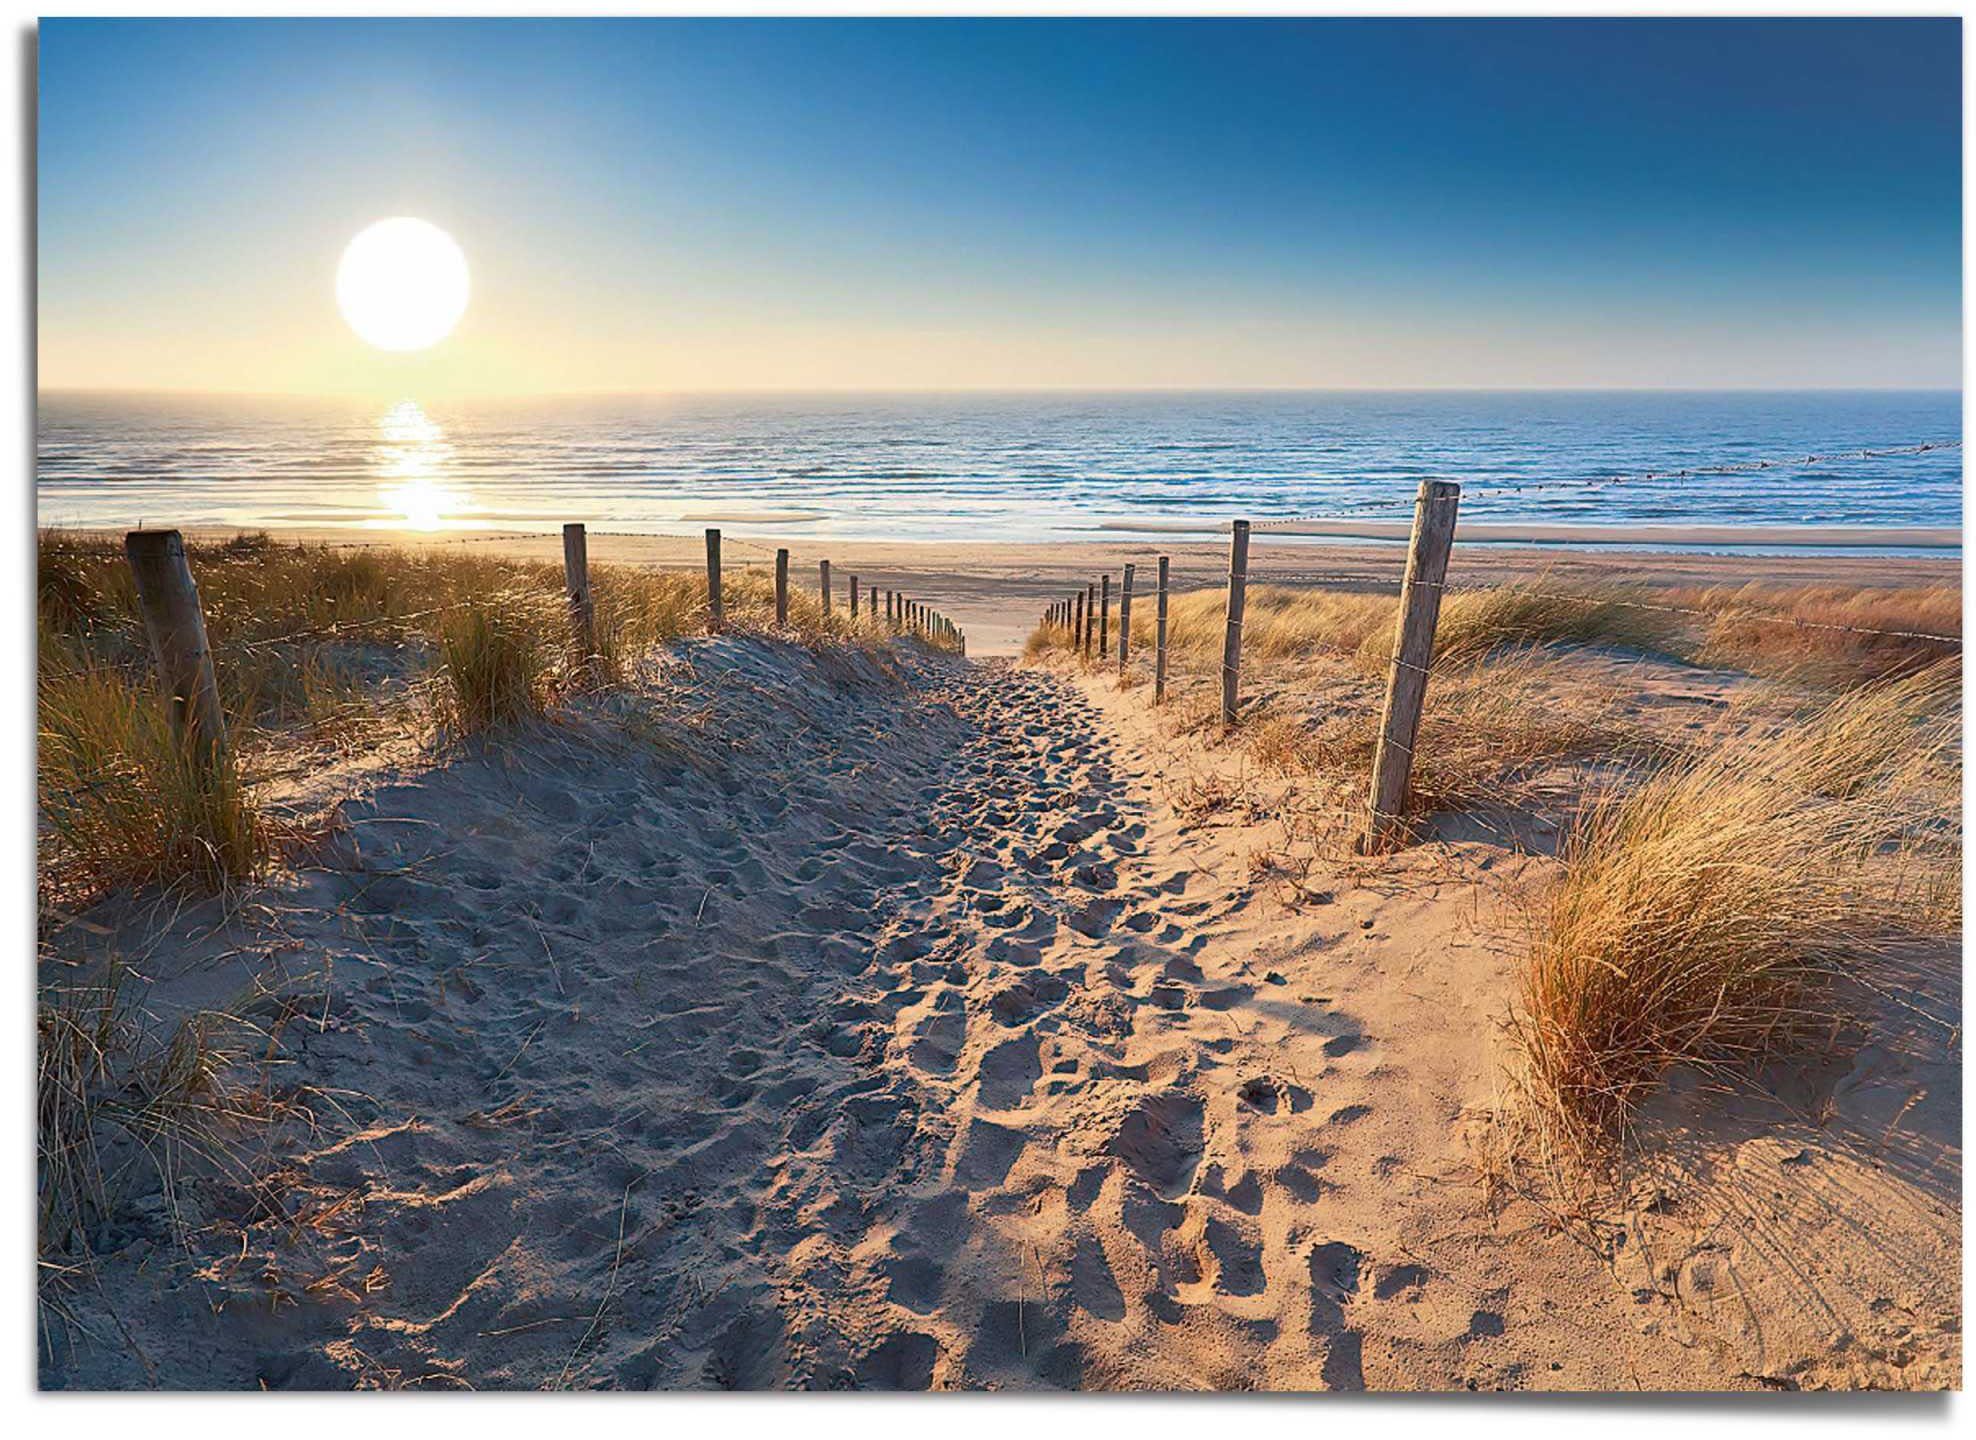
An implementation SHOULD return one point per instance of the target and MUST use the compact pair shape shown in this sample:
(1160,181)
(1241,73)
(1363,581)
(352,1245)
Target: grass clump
(496,666)
(124,803)
(1045,639)
(1704,918)
(122,1109)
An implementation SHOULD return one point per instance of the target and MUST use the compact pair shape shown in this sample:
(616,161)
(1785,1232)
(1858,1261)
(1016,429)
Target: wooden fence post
(582,606)
(716,614)
(854,597)
(1077,621)
(782,587)
(1413,653)
(169,600)
(1125,620)
(823,585)
(1231,643)
(1104,615)
(1090,617)
(1159,639)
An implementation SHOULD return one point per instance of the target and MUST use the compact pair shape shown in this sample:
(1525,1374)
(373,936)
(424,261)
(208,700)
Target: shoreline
(1641,533)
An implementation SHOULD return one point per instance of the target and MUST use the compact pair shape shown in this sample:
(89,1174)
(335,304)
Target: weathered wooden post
(1231,644)
(854,597)
(1125,620)
(1413,652)
(582,605)
(1159,639)
(1104,615)
(823,585)
(716,614)
(782,587)
(169,600)
(1077,623)
(1090,617)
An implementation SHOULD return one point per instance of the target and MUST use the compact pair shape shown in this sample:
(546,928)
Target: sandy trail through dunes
(831,1020)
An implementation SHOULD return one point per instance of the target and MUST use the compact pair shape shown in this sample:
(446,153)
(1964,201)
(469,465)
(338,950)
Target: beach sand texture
(815,1018)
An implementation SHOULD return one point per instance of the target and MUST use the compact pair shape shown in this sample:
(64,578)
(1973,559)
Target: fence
(175,626)
(1422,586)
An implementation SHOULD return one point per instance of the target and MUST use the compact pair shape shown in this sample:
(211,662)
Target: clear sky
(659,205)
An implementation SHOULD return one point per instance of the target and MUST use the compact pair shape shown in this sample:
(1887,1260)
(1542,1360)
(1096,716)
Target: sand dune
(831,1019)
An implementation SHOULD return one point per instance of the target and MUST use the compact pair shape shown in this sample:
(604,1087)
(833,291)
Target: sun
(402,284)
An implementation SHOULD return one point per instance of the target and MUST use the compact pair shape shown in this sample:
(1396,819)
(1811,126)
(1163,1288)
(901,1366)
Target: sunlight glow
(402,284)
(410,464)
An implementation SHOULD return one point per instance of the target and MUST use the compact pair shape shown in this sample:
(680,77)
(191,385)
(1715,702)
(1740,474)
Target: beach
(840,1013)
(1072,705)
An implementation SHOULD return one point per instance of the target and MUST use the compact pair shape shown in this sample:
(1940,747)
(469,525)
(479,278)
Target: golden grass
(1490,731)
(1286,623)
(1746,633)
(1474,622)
(122,800)
(1279,622)
(1703,918)
(1046,639)
(496,664)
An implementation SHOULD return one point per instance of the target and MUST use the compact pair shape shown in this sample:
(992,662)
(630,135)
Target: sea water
(991,466)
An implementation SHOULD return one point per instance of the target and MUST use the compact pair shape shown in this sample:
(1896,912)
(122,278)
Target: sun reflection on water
(410,463)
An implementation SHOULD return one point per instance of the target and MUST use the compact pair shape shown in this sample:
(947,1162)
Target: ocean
(992,467)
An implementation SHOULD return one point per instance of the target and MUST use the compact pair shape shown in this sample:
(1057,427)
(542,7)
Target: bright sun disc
(402,284)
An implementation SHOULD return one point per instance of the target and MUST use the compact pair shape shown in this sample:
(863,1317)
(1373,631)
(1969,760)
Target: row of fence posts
(1086,614)
(903,614)
(175,625)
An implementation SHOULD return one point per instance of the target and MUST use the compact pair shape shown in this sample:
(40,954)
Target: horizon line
(42,392)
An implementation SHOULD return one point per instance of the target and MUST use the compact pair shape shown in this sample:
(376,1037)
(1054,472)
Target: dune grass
(1279,622)
(1826,638)
(1475,622)
(313,641)
(123,802)
(124,1107)
(1495,726)
(1704,917)
(1288,623)
(496,665)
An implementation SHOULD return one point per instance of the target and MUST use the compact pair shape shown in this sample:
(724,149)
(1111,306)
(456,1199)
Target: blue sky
(706,205)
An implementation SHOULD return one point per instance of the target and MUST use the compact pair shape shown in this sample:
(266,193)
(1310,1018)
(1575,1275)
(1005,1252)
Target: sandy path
(785,1024)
